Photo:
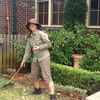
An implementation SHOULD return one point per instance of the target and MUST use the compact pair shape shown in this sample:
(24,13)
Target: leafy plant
(61,46)
(83,79)
(81,34)
(91,60)
(74,11)
(20,47)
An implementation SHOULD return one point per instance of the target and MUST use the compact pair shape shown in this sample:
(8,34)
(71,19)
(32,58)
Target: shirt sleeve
(27,51)
(46,42)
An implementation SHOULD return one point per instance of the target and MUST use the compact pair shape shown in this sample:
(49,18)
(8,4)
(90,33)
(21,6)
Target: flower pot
(77,58)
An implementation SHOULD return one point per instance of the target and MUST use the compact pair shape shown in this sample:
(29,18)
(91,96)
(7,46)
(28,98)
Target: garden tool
(10,83)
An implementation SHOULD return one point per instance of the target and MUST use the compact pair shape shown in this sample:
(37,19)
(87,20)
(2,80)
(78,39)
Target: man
(39,43)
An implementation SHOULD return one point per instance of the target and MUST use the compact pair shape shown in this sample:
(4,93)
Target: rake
(10,83)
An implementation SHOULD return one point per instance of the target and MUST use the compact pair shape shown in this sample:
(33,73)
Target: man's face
(32,27)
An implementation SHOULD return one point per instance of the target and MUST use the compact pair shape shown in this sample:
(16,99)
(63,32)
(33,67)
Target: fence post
(1,55)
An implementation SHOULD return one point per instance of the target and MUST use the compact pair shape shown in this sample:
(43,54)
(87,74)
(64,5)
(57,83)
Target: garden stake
(10,82)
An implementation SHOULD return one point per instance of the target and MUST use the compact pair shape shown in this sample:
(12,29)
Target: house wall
(3,23)
(24,11)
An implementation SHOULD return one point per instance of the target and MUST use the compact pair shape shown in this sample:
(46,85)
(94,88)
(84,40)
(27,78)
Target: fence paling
(8,53)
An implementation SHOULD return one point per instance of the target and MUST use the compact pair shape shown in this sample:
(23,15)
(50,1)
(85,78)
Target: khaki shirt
(40,39)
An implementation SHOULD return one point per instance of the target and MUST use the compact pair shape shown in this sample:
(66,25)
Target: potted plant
(80,43)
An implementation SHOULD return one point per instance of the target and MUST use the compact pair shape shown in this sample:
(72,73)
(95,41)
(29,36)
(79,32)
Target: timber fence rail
(8,53)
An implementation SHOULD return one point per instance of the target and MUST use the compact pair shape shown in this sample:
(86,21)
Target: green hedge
(91,60)
(76,77)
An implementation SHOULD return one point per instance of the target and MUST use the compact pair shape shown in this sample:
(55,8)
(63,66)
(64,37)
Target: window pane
(40,7)
(61,19)
(46,19)
(55,7)
(94,4)
(58,9)
(99,4)
(46,7)
(41,18)
(99,18)
(93,18)
(61,7)
(55,18)
(43,12)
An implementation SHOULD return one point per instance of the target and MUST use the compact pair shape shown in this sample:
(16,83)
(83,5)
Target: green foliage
(76,77)
(65,43)
(61,46)
(71,90)
(84,39)
(74,11)
(80,39)
(20,47)
(91,60)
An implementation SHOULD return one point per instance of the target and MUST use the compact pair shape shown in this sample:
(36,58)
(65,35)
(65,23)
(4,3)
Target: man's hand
(22,64)
(36,48)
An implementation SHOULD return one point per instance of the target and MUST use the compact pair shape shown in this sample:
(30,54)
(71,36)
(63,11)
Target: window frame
(88,16)
(49,13)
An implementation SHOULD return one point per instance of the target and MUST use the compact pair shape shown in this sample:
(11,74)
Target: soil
(26,80)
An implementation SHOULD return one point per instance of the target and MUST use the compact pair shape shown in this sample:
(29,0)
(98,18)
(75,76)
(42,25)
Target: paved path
(95,96)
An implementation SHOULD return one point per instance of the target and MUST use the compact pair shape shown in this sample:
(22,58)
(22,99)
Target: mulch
(25,79)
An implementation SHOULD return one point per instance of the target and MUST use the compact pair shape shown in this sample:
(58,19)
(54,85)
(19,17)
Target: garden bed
(23,91)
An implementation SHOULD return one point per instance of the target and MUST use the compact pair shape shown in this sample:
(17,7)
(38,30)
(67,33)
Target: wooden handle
(15,74)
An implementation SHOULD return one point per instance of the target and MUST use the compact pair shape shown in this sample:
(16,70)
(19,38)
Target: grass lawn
(21,92)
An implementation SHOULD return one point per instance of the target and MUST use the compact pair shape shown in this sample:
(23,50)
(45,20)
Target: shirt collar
(34,33)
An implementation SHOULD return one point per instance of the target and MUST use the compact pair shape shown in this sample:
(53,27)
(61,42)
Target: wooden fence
(8,53)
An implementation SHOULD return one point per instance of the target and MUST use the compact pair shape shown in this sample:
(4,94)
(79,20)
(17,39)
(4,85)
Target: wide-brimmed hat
(32,20)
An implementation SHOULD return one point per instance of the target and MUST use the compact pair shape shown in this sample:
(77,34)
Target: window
(94,13)
(57,13)
(43,12)
(50,12)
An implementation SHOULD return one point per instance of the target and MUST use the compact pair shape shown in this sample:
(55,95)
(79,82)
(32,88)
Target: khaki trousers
(43,67)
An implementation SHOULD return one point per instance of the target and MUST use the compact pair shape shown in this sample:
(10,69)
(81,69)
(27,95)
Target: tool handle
(15,74)
(18,70)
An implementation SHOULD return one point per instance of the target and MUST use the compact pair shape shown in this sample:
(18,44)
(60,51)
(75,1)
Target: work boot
(37,91)
(53,97)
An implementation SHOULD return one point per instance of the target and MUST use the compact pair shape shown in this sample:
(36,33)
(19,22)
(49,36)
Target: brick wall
(24,11)
(2,18)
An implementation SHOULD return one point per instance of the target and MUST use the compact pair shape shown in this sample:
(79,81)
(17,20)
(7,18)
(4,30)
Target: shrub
(20,47)
(76,77)
(61,51)
(78,93)
(74,11)
(81,34)
(91,60)
(65,43)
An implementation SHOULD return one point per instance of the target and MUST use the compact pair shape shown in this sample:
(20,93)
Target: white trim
(98,27)
(59,26)
(88,16)
(36,10)
(49,12)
